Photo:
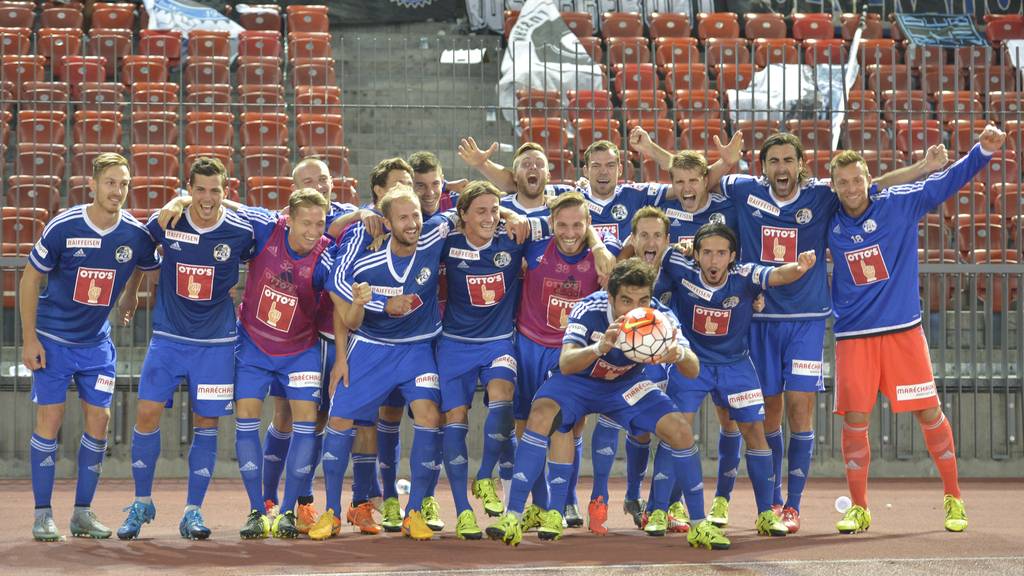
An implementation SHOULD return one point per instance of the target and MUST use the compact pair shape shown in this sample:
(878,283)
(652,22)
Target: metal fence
(397,97)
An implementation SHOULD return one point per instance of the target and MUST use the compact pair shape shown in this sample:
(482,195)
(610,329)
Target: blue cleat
(192,527)
(139,513)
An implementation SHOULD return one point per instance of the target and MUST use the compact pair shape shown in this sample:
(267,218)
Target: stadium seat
(814,134)
(313,72)
(734,76)
(914,135)
(828,51)
(931,235)
(56,43)
(669,51)
(941,287)
(848,24)
(592,46)
(923,56)
(258,70)
(905,104)
(78,70)
(974,57)
(223,153)
(166,43)
(336,157)
(155,96)
(935,78)
(776,51)
(22,225)
(265,98)
(862,105)
(136,68)
(635,77)
(270,192)
(307,18)
(1003,286)
(1000,169)
(82,156)
(17,15)
(254,43)
(995,79)
(15,41)
(45,96)
(209,129)
(209,44)
(41,127)
(817,162)
(686,77)
(727,51)
(548,132)
(651,171)
(113,45)
(755,132)
(33,192)
(638,104)
(628,50)
(868,136)
(1004,105)
(18,70)
(154,127)
(883,161)
(267,20)
(580,23)
(207,70)
(882,77)
(813,25)
(662,130)
(561,166)
(594,105)
(879,51)
(208,98)
(150,196)
(107,15)
(697,134)
(97,127)
(35,159)
(345,190)
(763,25)
(701,103)
(538,102)
(618,24)
(309,45)
(669,25)
(319,130)
(717,25)
(1010,194)
(266,161)
(952,104)
(1000,27)
(154,160)
(61,17)
(589,131)
(979,233)
(79,191)
(966,202)
(264,129)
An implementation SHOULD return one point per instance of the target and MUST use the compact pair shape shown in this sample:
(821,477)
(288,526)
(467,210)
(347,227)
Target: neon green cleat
(857,519)
(533,517)
(678,518)
(432,513)
(284,526)
(485,492)
(768,524)
(508,529)
(657,523)
(956,516)
(706,535)
(391,515)
(719,514)
(550,526)
(466,527)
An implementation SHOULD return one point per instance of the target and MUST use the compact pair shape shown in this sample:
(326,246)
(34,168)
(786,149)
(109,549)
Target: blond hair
(106,160)
(307,197)
(396,193)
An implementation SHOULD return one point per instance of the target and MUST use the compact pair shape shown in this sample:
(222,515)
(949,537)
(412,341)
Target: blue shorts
(688,394)
(788,355)
(209,370)
(295,377)
(375,369)
(462,364)
(327,354)
(535,365)
(91,367)
(635,404)
(732,386)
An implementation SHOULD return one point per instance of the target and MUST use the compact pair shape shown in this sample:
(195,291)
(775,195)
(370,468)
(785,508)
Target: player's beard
(531,186)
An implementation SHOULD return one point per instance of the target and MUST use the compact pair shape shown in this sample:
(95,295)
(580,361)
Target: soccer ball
(645,334)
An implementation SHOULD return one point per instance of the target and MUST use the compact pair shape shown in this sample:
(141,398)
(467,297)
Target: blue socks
(728,462)
(775,443)
(559,482)
(604,444)
(90,464)
(574,478)
(499,429)
(388,449)
(202,457)
(456,463)
(43,458)
(759,467)
(274,455)
(299,465)
(529,463)
(637,455)
(318,450)
(801,450)
(364,467)
(250,459)
(145,451)
(337,449)
(422,464)
(665,477)
(688,469)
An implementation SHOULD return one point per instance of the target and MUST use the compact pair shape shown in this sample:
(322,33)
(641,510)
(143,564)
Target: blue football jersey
(389,275)
(509,201)
(614,216)
(86,268)
(774,233)
(875,277)
(716,320)
(200,266)
(339,209)
(589,320)
(683,225)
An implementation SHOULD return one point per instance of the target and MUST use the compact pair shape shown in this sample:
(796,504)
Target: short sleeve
(46,252)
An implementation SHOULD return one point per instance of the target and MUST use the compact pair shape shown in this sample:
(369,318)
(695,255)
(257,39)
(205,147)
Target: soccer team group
(352,317)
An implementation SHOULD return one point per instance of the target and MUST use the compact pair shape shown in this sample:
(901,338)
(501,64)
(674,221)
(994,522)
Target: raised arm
(935,159)
(480,160)
(789,273)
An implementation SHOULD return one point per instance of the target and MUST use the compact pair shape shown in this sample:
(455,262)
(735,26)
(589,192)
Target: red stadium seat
(635,77)
(22,225)
(1005,105)
(61,17)
(561,166)
(223,153)
(150,196)
(1000,27)
(270,192)
(734,76)
(848,24)
(883,161)
(56,43)
(580,23)
(209,129)
(763,25)
(861,105)
(595,106)
(309,45)
(638,104)
(319,130)
(155,96)
(207,70)
(592,46)
(33,192)
(313,72)
(268,20)
(336,157)
(264,129)
(113,45)
(755,132)
(879,51)
(345,190)
(686,77)
(1000,283)
(829,51)
(953,104)
(208,98)
(41,127)
(15,41)
(17,15)
(966,202)
(307,18)
(979,233)
(259,44)
(154,160)
(817,25)
(868,136)
(538,102)
(882,77)
(935,78)
(628,50)
(1001,169)
(669,25)
(107,15)
(672,51)
(817,162)
(135,69)
(995,79)
(97,127)
(923,56)
(699,104)
(256,70)
(209,44)
(266,161)
(40,159)
(265,98)
(79,70)
(18,70)
(588,132)
(45,96)
(617,24)
(717,25)
(974,57)
(905,104)
(166,43)
(727,51)
(154,127)
(941,287)
(914,135)
(548,132)
(776,51)
(931,235)
(814,134)
(698,134)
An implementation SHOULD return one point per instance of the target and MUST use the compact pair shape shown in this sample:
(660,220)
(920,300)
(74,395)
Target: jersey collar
(188,217)
(100,231)
(400,278)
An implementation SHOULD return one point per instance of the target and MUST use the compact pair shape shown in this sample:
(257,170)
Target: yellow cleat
(326,526)
(956,516)
(415,527)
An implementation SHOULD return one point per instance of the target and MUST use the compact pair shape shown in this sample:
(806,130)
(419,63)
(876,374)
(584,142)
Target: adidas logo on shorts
(305,469)
(96,468)
(248,467)
(606,451)
(204,472)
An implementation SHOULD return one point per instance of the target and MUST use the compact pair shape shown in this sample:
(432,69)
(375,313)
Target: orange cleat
(791,519)
(362,518)
(597,513)
(305,517)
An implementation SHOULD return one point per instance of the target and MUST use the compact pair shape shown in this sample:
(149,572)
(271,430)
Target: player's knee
(96,420)
(500,390)
(928,415)
(204,421)
(391,413)
(543,415)
(459,415)
(642,438)
(426,414)
(339,424)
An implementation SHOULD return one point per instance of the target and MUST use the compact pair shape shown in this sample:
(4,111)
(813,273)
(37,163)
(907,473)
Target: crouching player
(595,377)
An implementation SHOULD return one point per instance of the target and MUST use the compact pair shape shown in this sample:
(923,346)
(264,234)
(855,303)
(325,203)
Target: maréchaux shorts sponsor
(806,367)
(746,398)
(915,391)
(429,380)
(215,392)
(504,361)
(304,380)
(105,384)
(638,391)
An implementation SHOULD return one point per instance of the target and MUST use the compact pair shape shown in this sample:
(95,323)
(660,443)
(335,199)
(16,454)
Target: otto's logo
(867,265)
(778,244)
(558,311)
(609,229)
(94,286)
(603,370)
(485,290)
(194,282)
(711,321)
(276,309)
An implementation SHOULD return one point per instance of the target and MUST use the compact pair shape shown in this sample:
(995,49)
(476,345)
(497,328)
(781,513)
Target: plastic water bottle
(402,486)
(843,504)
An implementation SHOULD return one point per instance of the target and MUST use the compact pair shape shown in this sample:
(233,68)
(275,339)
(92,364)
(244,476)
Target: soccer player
(194,319)
(781,215)
(430,185)
(880,346)
(530,175)
(594,376)
(394,329)
(693,204)
(91,257)
(278,346)
(715,296)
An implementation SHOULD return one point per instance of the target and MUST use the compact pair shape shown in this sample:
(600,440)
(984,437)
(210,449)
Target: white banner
(185,15)
(543,54)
